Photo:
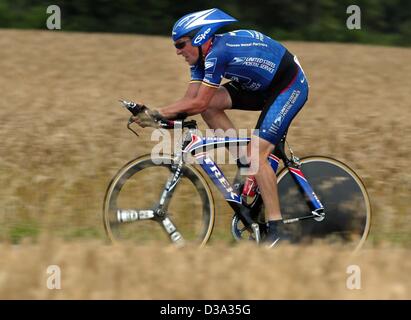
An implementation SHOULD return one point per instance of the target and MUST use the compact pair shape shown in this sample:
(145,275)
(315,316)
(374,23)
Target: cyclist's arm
(191,105)
(192,89)
(210,77)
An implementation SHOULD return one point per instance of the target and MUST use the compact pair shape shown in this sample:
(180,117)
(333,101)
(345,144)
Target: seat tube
(274,161)
(312,199)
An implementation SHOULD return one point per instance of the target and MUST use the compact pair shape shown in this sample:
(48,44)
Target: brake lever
(135,109)
(129,123)
(129,105)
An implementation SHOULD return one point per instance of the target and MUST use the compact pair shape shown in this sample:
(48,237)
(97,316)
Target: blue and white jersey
(244,56)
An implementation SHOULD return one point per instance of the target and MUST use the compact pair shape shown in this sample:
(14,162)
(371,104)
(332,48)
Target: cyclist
(264,76)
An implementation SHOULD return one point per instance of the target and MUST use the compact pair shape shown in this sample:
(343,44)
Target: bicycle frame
(248,213)
(195,143)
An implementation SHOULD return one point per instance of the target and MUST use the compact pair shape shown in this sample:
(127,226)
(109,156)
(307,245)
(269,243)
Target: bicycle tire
(343,195)
(141,178)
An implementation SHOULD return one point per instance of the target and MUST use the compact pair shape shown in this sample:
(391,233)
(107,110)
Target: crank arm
(314,215)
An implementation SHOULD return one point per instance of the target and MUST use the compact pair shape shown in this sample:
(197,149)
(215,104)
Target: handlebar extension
(133,107)
(136,108)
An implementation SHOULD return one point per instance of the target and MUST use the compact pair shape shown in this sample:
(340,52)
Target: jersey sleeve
(197,72)
(214,67)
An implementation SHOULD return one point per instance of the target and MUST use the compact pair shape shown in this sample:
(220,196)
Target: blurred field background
(63,137)
(90,270)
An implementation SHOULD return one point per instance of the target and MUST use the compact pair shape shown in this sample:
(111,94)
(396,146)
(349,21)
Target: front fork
(161,212)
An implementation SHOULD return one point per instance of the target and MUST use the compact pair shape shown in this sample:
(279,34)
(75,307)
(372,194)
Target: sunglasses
(182,44)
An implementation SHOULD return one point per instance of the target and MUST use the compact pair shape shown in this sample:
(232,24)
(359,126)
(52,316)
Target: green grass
(23,230)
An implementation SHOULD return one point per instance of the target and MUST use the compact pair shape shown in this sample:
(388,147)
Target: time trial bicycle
(320,197)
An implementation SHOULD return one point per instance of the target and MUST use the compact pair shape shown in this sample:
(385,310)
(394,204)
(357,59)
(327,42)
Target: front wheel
(343,195)
(134,193)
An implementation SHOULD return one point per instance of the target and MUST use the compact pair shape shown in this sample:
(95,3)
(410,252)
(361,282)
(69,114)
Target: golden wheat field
(63,137)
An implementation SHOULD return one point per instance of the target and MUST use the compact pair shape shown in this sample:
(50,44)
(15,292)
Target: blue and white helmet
(203,24)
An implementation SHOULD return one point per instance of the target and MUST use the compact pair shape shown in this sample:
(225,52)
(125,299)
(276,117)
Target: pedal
(320,215)
(256,230)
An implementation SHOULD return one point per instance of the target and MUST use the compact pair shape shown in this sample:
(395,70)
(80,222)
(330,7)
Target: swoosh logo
(199,19)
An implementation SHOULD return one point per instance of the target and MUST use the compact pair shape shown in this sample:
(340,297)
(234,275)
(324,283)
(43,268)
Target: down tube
(214,172)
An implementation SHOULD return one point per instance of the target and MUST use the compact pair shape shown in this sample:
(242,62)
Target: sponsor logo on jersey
(237,60)
(254,62)
(210,64)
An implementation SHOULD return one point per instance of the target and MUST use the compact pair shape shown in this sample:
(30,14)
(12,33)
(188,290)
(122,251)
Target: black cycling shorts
(243,99)
(259,100)
(279,103)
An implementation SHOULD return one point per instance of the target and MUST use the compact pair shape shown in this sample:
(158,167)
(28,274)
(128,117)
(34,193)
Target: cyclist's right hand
(141,114)
(146,118)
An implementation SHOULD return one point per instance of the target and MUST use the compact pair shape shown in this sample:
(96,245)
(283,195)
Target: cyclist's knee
(258,159)
(260,149)
(211,112)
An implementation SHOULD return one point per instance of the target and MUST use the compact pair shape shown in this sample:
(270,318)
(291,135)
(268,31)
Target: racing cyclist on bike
(264,76)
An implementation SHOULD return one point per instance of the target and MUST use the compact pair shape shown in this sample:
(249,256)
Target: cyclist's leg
(273,123)
(230,96)
(214,116)
(265,176)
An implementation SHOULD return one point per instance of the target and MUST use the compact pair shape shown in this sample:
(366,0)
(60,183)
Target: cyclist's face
(189,52)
